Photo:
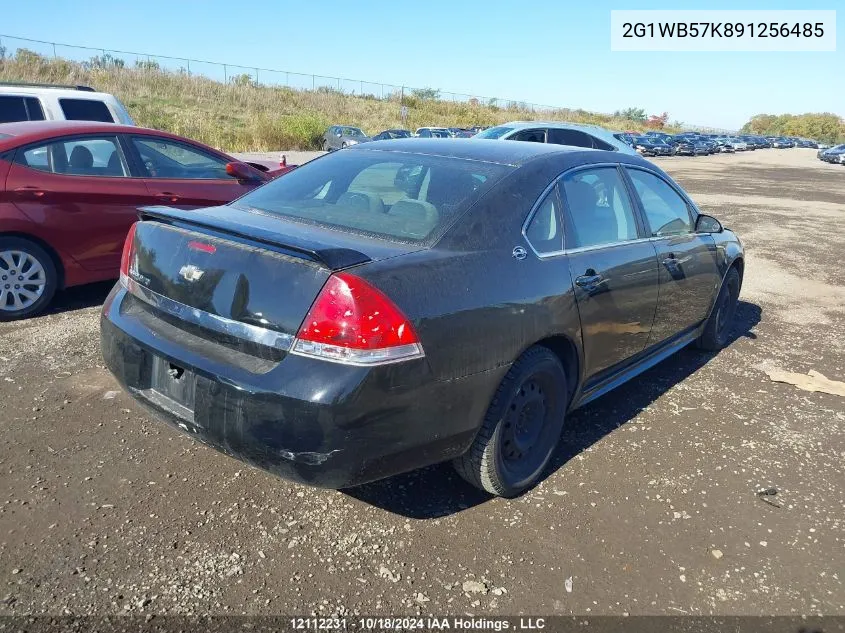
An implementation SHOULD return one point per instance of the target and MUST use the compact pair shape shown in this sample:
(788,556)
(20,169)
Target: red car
(69,191)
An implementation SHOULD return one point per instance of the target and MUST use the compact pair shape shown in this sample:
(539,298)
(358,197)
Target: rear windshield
(494,132)
(402,197)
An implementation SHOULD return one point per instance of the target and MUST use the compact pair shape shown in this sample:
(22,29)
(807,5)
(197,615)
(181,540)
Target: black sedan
(408,302)
(386,135)
(683,147)
(651,146)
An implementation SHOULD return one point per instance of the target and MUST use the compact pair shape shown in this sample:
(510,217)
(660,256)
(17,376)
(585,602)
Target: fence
(227,73)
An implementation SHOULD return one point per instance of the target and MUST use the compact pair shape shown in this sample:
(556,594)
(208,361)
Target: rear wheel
(718,327)
(522,426)
(343,145)
(28,278)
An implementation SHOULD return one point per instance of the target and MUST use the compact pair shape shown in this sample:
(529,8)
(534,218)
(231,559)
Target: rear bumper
(308,420)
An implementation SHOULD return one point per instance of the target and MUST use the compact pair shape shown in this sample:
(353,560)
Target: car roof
(59,91)
(485,150)
(21,132)
(518,125)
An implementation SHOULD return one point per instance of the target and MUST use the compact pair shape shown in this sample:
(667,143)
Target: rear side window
(544,231)
(78,157)
(575,138)
(13,109)
(402,197)
(599,209)
(85,110)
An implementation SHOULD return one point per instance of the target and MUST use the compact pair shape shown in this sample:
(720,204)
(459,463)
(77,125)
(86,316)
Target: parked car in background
(432,132)
(651,146)
(459,132)
(48,102)
(625,137)
(662,136)
(823,146)
(342,136)
(683,147)
(781,143)
(724,145)
(832,154)
(700,148)
(391,134)
(738,144)
(70,190)
(558,133)
(434,308)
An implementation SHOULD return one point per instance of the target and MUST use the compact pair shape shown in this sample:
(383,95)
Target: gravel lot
(651,507)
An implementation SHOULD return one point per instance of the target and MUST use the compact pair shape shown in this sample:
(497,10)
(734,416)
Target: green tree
(147,64)
(632,114)
(426,94)
(106,61)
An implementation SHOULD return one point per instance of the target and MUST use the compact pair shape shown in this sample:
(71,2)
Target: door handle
(167,196)
(30,191)
(588,281)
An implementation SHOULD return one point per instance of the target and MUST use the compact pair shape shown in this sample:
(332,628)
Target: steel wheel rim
(727,307)
(524,421)
(22,280)
(540,409)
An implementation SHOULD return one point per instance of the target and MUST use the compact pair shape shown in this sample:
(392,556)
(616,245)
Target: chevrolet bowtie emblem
(191,273)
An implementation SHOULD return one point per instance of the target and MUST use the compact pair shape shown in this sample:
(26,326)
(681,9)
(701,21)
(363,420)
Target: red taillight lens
(202,247)
(128,251)
(353,322)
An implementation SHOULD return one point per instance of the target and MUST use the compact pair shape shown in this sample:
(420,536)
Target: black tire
(7,280)
(521,428)
(718,326)
(343,145)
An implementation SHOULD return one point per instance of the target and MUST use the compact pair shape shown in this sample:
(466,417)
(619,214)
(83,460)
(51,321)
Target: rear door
(612,265)
(79,191)
(689,272)
(183,175)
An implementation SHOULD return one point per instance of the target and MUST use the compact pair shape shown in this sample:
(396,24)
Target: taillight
(128,251)
(352,322)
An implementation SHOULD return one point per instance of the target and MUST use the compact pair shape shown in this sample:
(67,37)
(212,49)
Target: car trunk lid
(239,273)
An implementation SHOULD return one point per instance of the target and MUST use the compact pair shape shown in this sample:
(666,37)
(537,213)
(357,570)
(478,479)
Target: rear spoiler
(331,258)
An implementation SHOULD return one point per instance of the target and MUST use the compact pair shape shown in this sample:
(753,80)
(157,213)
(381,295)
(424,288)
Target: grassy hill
(243,116)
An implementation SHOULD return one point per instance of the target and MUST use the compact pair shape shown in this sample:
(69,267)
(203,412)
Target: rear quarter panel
(477,308)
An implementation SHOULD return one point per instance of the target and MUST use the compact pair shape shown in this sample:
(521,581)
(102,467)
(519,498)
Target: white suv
(40,102)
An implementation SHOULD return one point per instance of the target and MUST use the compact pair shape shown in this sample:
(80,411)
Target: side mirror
(242,171)
(707,224)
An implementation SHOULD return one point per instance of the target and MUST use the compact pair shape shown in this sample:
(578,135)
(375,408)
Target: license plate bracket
(174,386)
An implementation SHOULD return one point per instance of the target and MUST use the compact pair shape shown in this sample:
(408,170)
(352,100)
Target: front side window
(599,209)
(402,197)
(85,110)
(544,231)
(425,133)
(77,157)
(666,211)
(163,158)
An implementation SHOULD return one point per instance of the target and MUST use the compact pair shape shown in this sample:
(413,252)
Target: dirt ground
(651,506)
